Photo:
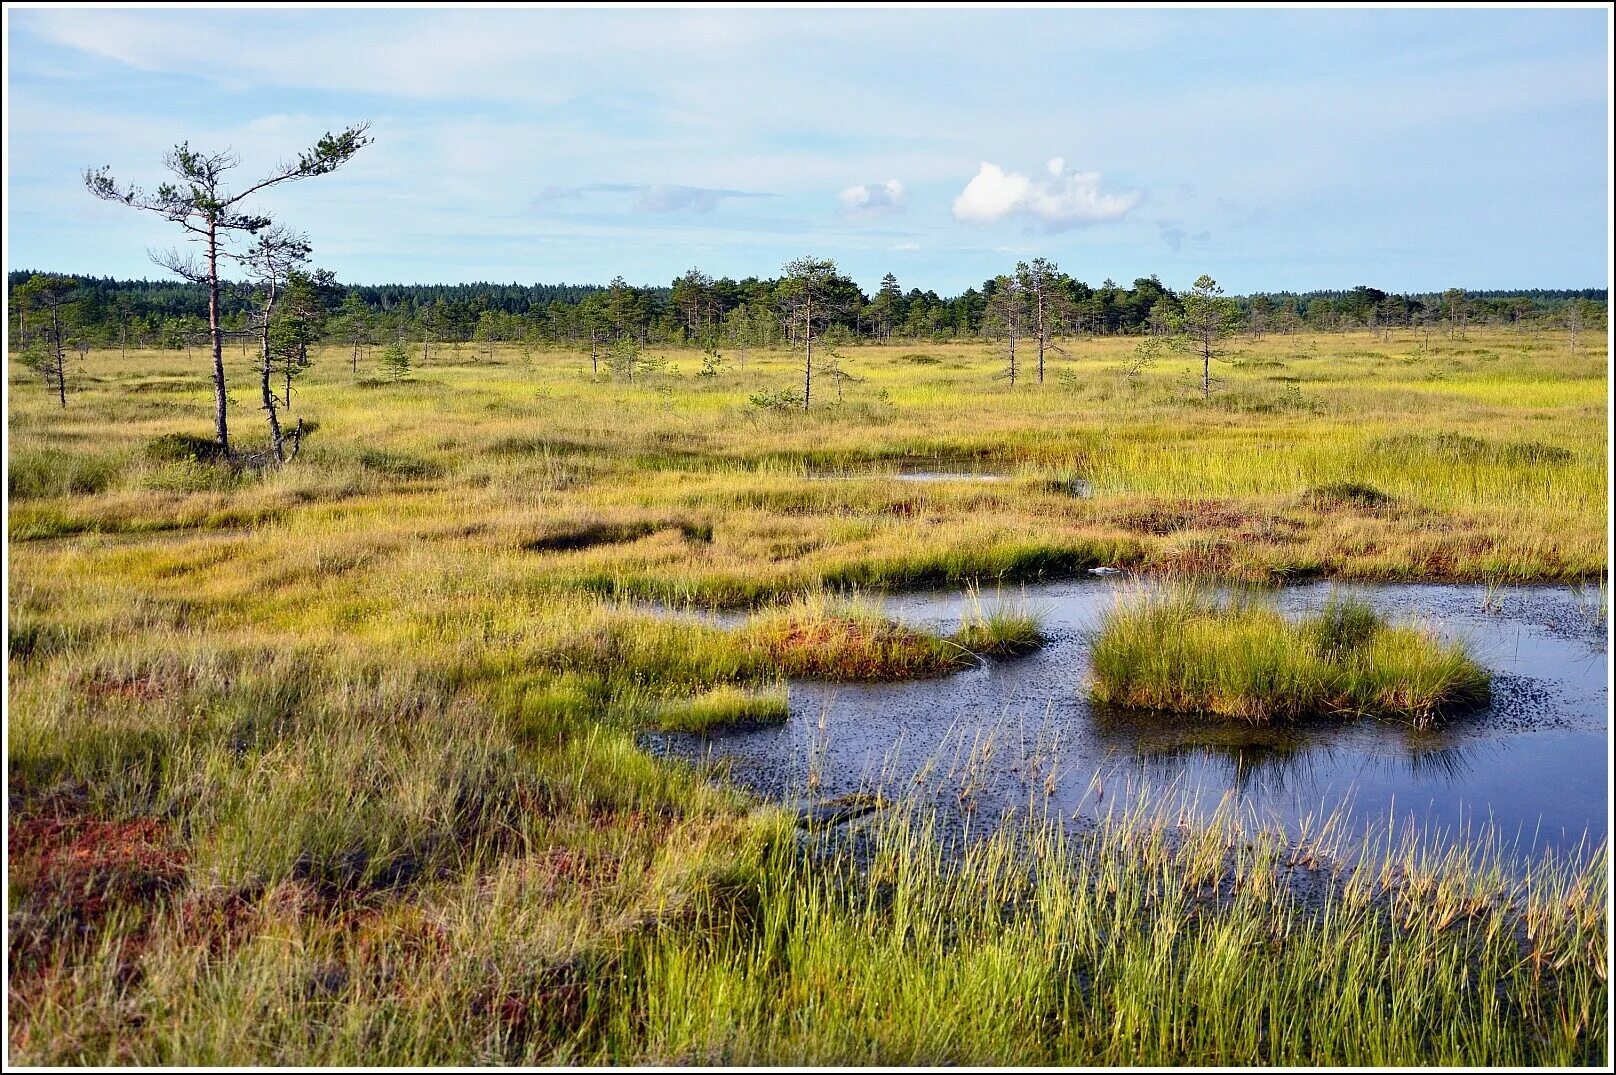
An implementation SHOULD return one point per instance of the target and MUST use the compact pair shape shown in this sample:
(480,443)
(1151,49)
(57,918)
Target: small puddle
(1020,734)
(933,471)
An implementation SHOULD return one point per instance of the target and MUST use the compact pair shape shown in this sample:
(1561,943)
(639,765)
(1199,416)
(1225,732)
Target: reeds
(1183,650)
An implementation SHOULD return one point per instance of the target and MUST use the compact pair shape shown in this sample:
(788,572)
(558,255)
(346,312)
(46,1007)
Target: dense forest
(698,309)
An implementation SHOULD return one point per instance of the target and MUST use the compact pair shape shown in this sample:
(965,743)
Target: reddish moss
(69,872)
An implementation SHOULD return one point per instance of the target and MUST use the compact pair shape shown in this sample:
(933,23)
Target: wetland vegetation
(338,761)
(807,667)
(1187,652)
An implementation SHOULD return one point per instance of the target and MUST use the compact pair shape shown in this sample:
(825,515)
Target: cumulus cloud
(654,197)
(1062,199)
(872,199)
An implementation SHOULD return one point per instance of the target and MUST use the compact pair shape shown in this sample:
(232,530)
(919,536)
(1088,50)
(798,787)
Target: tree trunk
(266,368)
(808,353)
(1042,333)
(275,441)
(1206,368)
(62,364)
(221,424)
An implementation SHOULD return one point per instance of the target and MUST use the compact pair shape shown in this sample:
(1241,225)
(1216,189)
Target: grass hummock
(725,706)
(1000,629)
(1183,651)
(814,638)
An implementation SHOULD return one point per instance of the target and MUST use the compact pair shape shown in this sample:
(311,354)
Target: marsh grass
(1155,937)
(1000,629)
(321,765)
(1183,650)
(722,707)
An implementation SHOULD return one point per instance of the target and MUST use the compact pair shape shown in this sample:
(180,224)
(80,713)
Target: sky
(1295,149)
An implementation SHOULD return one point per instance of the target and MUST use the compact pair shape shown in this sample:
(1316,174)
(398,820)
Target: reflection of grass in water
(1268,758)
(1593,602)
(1449,763)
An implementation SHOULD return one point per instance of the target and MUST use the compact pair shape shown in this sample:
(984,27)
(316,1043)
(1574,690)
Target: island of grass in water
(1186,651)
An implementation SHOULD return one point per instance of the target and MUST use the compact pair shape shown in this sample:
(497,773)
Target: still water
(1019,734)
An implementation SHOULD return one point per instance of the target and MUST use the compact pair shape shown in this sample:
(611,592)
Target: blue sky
(1296,149)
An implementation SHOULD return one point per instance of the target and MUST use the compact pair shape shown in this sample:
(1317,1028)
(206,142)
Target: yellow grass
(374,715)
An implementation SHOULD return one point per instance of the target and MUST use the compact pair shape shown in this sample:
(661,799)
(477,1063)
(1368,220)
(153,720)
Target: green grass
(1000,630)
(1144,942)
(722,707)
(341,763)
(1183,651)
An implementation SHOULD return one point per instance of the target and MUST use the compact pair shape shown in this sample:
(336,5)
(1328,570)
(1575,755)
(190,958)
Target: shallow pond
(1020,734)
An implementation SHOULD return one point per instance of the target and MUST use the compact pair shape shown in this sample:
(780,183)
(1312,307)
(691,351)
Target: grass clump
(1184,652)
(1345,495)
(813,639)
(999,631)
(398,464)
(722,707)
(184,448)
(49,472)
(1461,448)
(586,535)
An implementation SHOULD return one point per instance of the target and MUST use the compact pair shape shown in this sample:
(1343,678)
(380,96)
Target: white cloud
(906,247)
(872,199)
(652,197)
(1066,199)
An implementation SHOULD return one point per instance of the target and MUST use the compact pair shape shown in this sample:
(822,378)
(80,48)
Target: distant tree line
(753,312)
(250,281)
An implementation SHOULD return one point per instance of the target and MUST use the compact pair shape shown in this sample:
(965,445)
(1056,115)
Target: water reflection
(1020,734)
(1268,760)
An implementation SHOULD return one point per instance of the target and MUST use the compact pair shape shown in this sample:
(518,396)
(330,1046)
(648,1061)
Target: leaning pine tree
(217,219)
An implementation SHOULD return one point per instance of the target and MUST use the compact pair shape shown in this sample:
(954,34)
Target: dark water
(1019,734)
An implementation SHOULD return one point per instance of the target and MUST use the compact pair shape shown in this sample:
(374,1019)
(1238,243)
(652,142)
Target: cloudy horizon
(1409,150)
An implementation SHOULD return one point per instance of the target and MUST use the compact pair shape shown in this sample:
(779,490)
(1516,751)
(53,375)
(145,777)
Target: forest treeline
(699,309)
